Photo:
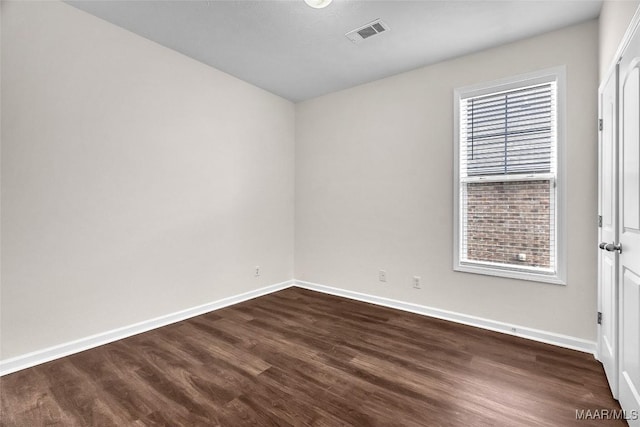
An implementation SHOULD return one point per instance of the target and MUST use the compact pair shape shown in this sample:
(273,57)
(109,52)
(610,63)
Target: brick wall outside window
(505,219)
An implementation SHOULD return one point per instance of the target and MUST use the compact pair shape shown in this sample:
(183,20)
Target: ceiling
(292,50)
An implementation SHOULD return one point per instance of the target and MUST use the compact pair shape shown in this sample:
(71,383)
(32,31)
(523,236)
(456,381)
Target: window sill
(512,274)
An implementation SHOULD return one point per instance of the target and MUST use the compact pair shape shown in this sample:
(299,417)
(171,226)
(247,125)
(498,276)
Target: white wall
(374,187)
(136,182)
(615,17)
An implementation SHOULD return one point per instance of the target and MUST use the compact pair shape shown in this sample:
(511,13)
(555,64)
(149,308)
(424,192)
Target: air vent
(371,29)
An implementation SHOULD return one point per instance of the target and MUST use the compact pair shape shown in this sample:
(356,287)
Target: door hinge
(599,124)
(599,318)
(599,221)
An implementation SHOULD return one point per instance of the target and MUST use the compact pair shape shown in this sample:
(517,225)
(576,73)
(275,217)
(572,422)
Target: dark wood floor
(298,357)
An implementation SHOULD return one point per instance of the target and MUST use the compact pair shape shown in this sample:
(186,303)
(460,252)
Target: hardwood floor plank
(31,402)
(302,358)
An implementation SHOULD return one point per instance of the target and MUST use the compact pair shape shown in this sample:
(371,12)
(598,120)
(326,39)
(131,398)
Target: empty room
(320,213)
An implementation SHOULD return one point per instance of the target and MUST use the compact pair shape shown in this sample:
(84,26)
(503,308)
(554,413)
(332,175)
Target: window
(508,178)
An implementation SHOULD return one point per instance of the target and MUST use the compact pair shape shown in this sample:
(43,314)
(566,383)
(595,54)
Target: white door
(629,230)
(607,206)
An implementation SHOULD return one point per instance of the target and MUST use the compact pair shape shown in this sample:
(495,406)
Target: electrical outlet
(382,276)
(257,271)
(416,282)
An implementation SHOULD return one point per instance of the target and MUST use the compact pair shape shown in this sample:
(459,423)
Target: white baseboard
(45,355)
(492,325)
(48,354)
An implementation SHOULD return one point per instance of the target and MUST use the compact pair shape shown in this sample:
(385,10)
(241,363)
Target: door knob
(611,247)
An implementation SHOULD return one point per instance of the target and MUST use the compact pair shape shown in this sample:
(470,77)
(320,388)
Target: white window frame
(557,74)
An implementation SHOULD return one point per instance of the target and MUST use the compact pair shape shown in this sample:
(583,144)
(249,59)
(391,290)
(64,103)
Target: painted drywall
(615,17)
(136,182)
(374,188)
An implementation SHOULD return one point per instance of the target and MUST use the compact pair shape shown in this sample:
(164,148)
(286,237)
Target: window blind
(507,149)
(510,132)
